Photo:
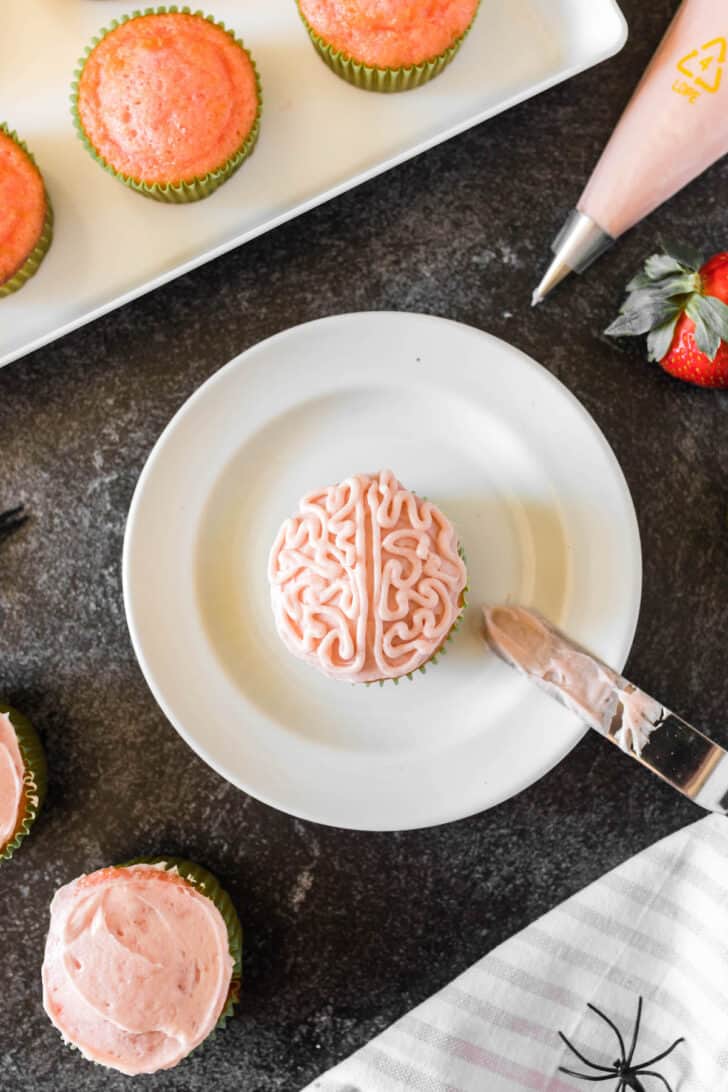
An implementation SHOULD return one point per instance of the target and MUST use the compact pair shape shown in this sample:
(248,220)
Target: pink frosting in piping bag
(675,126)
(12,773)
(366,579)
(584,684)
(137,967)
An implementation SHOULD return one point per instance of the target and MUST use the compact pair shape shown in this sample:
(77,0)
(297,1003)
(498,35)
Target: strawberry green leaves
(710,316)
(640,317)
(668,285)
(662,265)
(659,340)
(688,256)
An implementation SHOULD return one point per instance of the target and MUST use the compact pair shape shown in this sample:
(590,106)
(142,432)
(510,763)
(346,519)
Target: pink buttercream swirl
(366,580)
(12,781)
(137,967)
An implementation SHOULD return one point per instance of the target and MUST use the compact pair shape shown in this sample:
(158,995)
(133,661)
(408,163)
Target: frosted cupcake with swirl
(142,963)
(367,580)
(23,776)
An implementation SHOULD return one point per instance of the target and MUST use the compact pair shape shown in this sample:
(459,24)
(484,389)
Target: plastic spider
(11,520)
(628,1074)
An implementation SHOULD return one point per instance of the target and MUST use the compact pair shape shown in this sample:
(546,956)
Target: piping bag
(674,127)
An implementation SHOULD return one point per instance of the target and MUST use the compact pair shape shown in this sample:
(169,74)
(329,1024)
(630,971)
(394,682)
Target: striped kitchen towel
(656,927)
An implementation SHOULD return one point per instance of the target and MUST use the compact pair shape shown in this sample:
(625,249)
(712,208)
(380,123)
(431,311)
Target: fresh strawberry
(681,304)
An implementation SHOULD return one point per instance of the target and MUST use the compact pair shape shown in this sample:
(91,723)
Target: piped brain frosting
(366,579)
(12,786)
(137,967)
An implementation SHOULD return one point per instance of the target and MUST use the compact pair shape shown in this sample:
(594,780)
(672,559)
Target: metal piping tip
(555,274)
(579,242)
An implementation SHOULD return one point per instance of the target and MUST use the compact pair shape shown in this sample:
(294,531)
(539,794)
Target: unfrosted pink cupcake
(168,102)
(387,45)
(367,580)
(26,218)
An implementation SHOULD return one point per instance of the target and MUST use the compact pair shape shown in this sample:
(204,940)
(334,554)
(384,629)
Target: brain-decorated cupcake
(169,102)
(142,963)
(22,779)
(387,45)
(367,580)
(26,218)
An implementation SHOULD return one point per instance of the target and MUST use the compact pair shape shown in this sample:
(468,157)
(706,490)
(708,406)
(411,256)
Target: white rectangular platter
(319,137)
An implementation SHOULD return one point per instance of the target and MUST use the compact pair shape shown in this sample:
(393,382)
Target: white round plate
(541,507)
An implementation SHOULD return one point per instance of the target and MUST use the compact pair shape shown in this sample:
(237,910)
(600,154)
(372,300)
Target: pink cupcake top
(366,579)
(167,98)
(12,783)
(137,967)
(389,33)
(22,207)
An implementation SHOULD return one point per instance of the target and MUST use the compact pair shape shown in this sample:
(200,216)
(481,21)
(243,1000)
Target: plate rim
(188,406)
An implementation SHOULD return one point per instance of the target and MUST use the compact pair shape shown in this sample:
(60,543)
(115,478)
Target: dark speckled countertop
(337,944)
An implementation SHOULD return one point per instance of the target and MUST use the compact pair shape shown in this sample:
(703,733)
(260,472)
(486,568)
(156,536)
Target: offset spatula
(641,726)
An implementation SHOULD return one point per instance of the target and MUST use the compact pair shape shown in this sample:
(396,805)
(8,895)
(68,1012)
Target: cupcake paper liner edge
(208,884)
(39,251)
(194,189)
(386,80)
(35,779)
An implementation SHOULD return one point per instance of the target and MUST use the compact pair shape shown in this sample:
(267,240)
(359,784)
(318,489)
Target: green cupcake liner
(35,780)
(179,193)
(38,253)
(442,650)
(372,78)
(208,885)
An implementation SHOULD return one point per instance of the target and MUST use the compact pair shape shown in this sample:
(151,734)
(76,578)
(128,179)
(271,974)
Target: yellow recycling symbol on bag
(703,68)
